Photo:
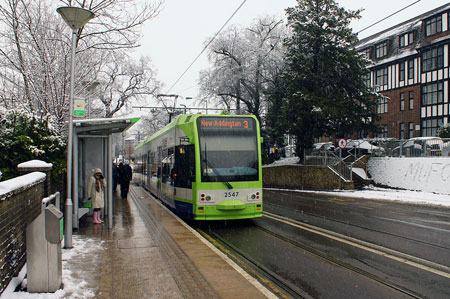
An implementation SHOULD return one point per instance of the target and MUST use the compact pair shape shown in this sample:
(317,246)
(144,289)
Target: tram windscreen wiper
(229,186)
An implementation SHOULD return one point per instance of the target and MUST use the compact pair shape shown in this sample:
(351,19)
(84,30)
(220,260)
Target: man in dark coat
(125,175)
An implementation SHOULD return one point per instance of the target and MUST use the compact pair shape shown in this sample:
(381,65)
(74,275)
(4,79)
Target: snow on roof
(404,27)
(15,184)
(35,164)
(388,33)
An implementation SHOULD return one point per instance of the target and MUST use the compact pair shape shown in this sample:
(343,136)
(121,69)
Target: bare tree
(35,50)
(244,62)
(122,79)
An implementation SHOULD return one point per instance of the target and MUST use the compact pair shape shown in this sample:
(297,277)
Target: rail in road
(314,252)
(322,247)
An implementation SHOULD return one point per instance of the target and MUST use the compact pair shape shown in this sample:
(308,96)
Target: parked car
(446,149)
(420,146)
(363,147)
(322,146)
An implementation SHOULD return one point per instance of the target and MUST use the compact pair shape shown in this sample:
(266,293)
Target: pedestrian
(115,176)
(125,174)
(96,192)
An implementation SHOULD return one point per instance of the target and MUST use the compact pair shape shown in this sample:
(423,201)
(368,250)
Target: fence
(314,157)
(414,147)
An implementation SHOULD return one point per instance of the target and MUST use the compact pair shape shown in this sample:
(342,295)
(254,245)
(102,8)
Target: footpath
(154,255)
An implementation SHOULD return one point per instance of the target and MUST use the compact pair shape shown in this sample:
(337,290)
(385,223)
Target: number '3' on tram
(206,167)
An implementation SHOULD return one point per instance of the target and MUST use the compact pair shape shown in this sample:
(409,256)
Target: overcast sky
(179,33)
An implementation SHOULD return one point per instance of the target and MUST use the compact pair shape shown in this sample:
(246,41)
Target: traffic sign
(342,143)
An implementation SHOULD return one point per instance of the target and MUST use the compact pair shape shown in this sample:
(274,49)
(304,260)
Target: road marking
(415,224)
(380,250)
(340,199)
(363,207)
(397,213)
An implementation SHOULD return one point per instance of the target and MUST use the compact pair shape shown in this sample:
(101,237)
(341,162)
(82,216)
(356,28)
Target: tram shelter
(92,148)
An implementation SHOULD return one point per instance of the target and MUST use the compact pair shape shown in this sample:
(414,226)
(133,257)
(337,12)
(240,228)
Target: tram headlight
(208,198)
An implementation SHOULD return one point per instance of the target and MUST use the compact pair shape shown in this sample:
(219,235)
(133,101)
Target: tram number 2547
(231,194)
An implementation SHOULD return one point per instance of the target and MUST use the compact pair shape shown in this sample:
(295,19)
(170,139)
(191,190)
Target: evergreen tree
(326,93)
(25,137)
(444,131)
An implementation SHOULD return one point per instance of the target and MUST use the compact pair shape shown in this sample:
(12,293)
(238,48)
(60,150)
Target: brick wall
(394,116)
(301,177)
(20,204)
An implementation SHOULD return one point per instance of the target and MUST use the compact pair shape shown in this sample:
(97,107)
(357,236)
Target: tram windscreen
(228,149)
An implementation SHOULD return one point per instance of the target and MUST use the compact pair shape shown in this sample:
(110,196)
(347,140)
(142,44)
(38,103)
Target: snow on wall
(423,174)
(35,164)
(27,180)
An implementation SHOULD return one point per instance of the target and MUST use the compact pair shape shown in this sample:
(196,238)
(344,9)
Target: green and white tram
(206,167)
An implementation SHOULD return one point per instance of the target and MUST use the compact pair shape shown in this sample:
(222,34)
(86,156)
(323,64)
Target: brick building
(411,68)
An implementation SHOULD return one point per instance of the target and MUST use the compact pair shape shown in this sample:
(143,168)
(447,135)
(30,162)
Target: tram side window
(167,166)
(184,167)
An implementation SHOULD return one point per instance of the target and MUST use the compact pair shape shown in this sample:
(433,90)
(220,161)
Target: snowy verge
(371,192)
(75,286)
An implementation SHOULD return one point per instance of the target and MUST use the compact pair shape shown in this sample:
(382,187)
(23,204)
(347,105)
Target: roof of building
(403,27)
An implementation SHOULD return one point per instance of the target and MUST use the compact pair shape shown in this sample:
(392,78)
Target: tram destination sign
(225,123)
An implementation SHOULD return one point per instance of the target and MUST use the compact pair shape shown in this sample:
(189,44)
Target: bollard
(68,224)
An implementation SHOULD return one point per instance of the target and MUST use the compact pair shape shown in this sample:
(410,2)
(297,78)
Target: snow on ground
(74,284)
(406,196)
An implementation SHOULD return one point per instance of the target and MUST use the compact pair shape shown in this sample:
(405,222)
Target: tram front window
(228,150)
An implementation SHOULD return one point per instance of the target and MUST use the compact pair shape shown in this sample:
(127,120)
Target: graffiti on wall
(424,174)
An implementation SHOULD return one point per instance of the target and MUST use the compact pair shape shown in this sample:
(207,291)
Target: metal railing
(414,147)
(313,157)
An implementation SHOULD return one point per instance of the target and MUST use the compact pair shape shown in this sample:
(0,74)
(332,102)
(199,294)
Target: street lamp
(76,18)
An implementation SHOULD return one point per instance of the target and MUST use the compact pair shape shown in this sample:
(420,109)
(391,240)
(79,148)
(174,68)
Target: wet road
(336,247)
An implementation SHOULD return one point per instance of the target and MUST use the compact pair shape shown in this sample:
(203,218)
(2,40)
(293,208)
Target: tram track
(292,290)
(287,287)
(366,228)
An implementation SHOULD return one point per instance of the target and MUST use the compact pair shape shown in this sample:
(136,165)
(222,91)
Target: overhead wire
(207,45)
(394,13)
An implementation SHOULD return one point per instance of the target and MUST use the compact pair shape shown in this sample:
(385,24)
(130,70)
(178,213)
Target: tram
(206,167)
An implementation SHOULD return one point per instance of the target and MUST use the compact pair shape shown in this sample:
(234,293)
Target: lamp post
(76,18)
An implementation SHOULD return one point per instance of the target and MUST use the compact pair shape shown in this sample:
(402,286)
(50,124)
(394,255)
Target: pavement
(155,255)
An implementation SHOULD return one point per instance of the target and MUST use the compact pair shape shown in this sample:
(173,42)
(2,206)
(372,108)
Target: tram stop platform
(154,255)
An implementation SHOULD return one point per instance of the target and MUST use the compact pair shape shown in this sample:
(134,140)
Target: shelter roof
(104,126)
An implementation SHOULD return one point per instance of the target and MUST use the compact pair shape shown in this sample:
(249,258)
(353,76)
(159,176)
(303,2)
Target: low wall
(422,174)
(20,204)
(301,177)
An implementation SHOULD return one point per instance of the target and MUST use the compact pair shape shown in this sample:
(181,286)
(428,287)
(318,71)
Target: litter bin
(44,264)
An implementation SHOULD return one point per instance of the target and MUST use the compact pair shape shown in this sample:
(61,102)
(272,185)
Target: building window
(432,94)
(381,49)
(402,101)
(410,130)
(382,132)
(406,39)
(366,52)
(433,26)
(402,131)
(367,80)
(401,71)
(411,69)
(433,59)
(411,100)
(430,127)
(382,105)
(381,77)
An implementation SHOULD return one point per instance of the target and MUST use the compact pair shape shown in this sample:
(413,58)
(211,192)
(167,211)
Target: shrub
(444,131)
(25,136)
